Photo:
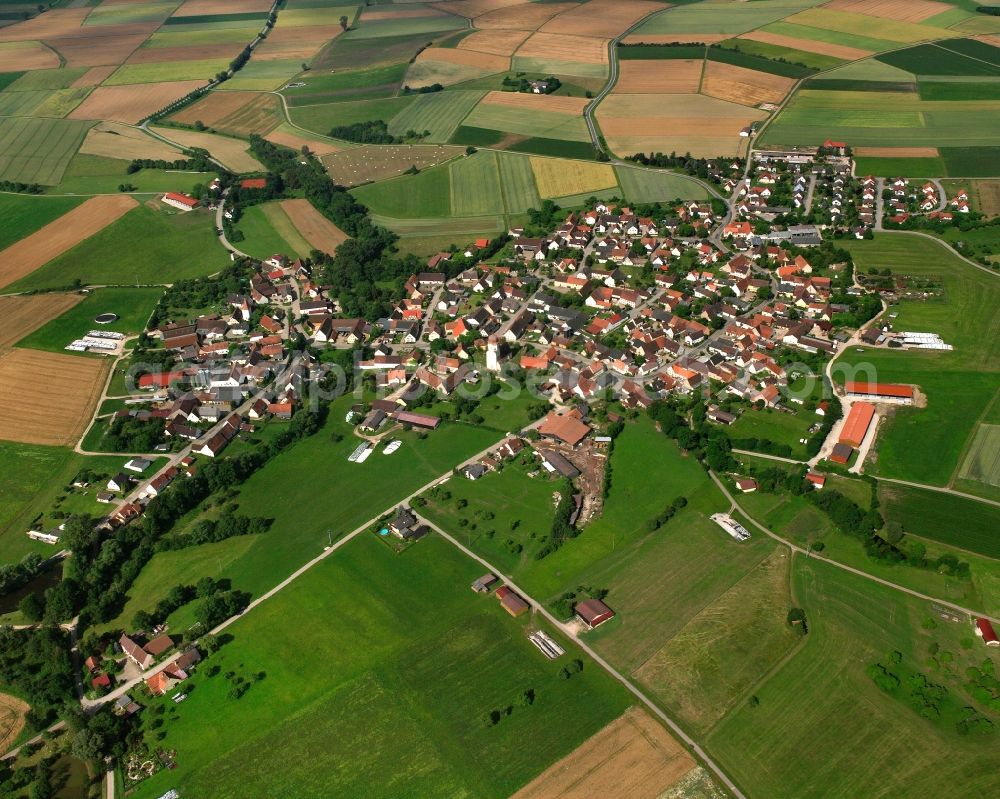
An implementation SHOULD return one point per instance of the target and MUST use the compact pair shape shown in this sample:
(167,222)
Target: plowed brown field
(659,77)
(523,17)
(633,756)
(744,86)
(64,391)
(25,56)
(24,314)
(470,58)
(55,238)
(132,103)
(315,228)
(196,8)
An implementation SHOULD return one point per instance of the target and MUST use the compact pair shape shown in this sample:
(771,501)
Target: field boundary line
(672,725)
(967,446)
(843,566)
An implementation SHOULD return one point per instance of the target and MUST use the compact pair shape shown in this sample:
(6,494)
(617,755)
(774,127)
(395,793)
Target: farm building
(985,631)
(880,392)
(554,462)
(482,585)
(511,602)
(857,424)
(841,453)
(746,484)
(416,419)
(593,612)
(818,480)
(181,201)
(565,427)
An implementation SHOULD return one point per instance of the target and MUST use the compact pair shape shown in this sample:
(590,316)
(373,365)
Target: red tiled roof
(857,424)
(880,389)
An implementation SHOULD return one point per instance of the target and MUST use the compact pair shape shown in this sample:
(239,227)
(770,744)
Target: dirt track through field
(315,228)
(24,314)
(633,756)
(60,235)
(12,712)
(64,390)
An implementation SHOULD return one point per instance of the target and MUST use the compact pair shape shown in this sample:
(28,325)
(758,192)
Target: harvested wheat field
(808,45)
(231,152)
(64,391)
(560,177)
(525,18)
(12,712)
(675,38)
(130,104)
(315,228)
(368,163)
(660,77)
(555,46)
(898,10)
(557,104)
(496,42)
(26,56)
(474,8)
(115,140)
(897,152)
(289,138)
(605,18)
(67,231)
(24,314)
(468,58)
(404,13)
(238,113)
(633,756)
(53,23)
(197,8)
(744,86)
(94,76)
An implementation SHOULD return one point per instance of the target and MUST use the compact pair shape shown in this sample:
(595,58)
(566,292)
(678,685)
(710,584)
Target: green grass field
(403,26)
(47,79)
(321,118)
(829,36)
(133,307)
(647,186)
(771,425)
(332,87)
(982,461)
(38,150)
(427,194)
(933,59)
(861,741)
(440,113)
(398,690)
(174,246)
(729,18)
(167,70)
(893,167)
(529,122)
(519,189)
(793,55)
(23,214)
(96,174)
(475,185)
(127,14)
(268,230)
(925,444)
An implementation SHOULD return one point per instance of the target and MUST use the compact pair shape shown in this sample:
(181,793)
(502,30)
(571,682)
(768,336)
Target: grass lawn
(24,214)
(396,663)
(776,426)
(133,307)
(427,194)
(174,246)
(96,174)
(861,741)
(268,230)
(925,444)
(646,186)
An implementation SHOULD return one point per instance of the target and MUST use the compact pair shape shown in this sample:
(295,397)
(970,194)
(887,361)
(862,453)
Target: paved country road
(717,772)
(815,556)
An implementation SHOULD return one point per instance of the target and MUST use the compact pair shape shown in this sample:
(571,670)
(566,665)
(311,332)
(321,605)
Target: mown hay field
(38,150)
(557,47)
(439,113)
(498,42)
(521,17)
(64,393)
(531,115)
(28,254)
(864,25)
(901,10)
(115,140)
(231,152)
(358,165)
(560,177)
(475,185)
(982,462)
